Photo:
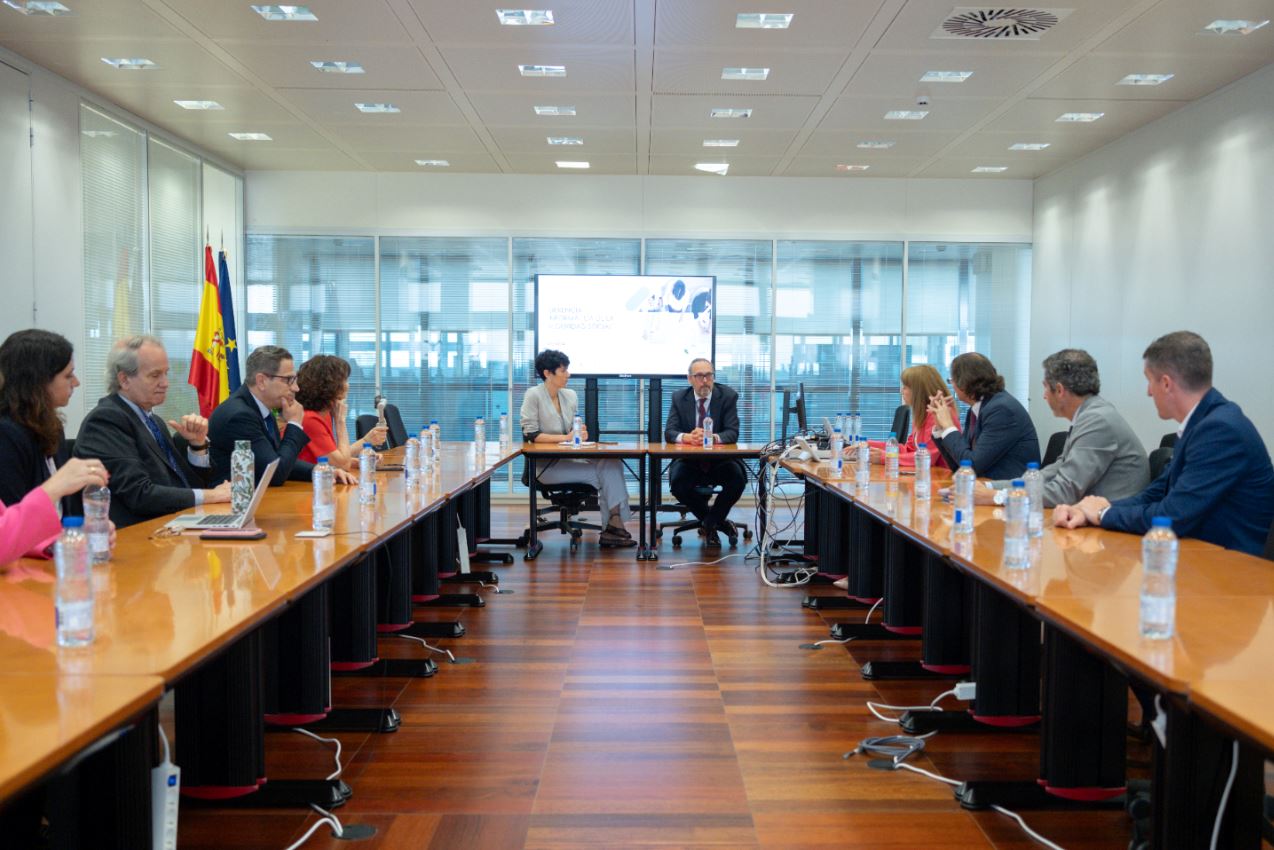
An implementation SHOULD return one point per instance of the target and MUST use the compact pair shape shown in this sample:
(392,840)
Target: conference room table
(690,453)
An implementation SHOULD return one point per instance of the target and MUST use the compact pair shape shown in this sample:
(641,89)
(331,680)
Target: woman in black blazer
(37,377)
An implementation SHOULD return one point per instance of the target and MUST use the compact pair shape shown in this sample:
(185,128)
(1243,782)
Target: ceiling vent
(999,24)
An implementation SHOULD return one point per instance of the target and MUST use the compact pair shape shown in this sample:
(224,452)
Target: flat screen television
(626,325)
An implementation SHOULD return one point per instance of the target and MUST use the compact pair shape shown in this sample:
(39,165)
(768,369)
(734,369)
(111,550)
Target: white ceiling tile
(843,143)
(867,114)
(962,168)
(288,65)
(740,166)
(576,22)
(752,142)
(213,133)
(825,166)
(339,21)
(1121,116)
(241,103)
(1096,76)
(1176,26)
(1061,145)
(591,109)
(466,162)
(898,74)
(371,137)
(710,23)
(94,19)
(668,110)
(596,140)
(529,163)
(283,159)
(697,71)
(337,106)
(179,61)
(587,69)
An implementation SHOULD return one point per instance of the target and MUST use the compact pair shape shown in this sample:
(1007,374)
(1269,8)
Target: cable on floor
(702,563)
(327,818)
(872,609)
(336,774)
(1225,797)
(932,706)
(430,647)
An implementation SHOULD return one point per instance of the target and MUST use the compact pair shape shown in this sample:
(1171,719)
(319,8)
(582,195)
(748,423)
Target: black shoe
(728,529)
(610,539)
(711,539)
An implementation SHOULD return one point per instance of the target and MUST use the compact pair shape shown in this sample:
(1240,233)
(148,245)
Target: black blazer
(723,407)
(1000,445)
(239,418)
(22,466)
(143,485)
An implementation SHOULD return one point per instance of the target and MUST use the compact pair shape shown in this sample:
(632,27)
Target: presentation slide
(651,325)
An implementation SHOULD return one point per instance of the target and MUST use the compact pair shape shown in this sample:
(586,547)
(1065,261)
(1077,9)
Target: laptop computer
(206,522)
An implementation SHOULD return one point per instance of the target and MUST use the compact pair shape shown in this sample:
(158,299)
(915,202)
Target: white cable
(933,706)
(1225,797)
(337,773)
(872,609)
(702,563)
(327,818)
(426,645)
(832,640)
(163,739)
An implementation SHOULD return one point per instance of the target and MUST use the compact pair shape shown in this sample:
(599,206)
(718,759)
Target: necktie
(168,450)
(703,411)
(272,429)
(973,427)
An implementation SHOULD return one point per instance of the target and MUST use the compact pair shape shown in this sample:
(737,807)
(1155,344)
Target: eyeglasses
(703,376)
(290,380)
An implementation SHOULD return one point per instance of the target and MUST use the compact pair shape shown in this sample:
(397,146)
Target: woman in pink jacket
(919,384)
(33,522)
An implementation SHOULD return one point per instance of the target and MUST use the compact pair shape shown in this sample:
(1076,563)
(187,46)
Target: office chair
(363,424)
(1169,440)
(1268,554)
(567,500)
(397,431)
(1159,460)
(1053,451)
(902,422)
(683,525)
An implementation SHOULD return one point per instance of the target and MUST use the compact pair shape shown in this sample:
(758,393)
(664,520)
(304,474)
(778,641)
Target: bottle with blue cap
(1034,480)
(323,513)
(923,462)
(891,457)
(1159,580)
(962,484)
(73,593)
(1016,544)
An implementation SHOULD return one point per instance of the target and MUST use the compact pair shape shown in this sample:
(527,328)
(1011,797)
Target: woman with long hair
(322,384)
(919,384)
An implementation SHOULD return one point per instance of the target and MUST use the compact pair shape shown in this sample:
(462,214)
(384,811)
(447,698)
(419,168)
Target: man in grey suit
(1102,456)
(151,475)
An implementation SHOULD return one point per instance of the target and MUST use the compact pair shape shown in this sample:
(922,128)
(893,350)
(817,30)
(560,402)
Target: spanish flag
(208,372)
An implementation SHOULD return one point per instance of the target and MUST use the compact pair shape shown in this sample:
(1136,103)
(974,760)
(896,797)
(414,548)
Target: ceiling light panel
(285,13)
(763,20)
(555,111)
(542,70)
(990,169)
(720,143)
(337,66)
(377,108)
(1079,117)
(718,168)
(565,140)
(251,137)
(1145,80)
(1029,146)
(906,114)
(198,104)
(571,164)
(848,168)
(1234,27)
(753,74)
(525,17)
(945,76)
(38,7)
(729,112)
(130,64)
(433,163)
(877,145)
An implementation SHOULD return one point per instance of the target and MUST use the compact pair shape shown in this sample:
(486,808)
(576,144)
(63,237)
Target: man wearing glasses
(269,385)
(691,479)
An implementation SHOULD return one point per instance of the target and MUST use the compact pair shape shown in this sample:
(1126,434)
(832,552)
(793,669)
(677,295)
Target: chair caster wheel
(747,534)
(676,541)
(574,545)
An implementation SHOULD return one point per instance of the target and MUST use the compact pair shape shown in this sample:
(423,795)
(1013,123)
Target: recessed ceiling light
(882,145)
(1079,117)
(571,164)
(98,134)
(252,137)
(198,104)
(1144,80)
(335,66)
(130,64)
(729,112)
(433,163)
(542,70)
(1029,146)
(763,20)
(906,114)
(720,143)
(1222,27)
(525,17)
(285,13)
(755,74)
(565,140)
(945,76)
(718,168)
(381,108)
(990,169)
(38,7)
(554,110)
(843,167)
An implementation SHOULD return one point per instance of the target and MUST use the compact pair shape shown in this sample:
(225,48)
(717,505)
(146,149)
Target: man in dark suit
(151,474)
(998,436)
(705,397)
(1219,486)
(269,384)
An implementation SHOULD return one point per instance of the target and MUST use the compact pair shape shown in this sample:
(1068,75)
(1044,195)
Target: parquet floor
(614,705)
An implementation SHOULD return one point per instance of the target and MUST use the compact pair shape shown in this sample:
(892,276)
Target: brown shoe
(612,539)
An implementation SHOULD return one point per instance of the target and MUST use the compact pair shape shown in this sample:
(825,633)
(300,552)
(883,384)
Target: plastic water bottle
(858,427)
(480,435)
(1035,493)
(576,427)
(840,423)
(862,472)
(411,461)
(74,592)
(97,522)
(962,485)
(1017,507)
(426,459)
(436,430)
(367,476)
(838,455)
(922,488)
(1159,580)
(891,457)
(707,432)
(243,476)
(324,505)
(504,428)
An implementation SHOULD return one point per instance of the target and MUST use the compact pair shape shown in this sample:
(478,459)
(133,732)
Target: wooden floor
(614,705)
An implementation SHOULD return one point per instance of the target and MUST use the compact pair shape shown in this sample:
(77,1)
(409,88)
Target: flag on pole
(227,323)
(208,373)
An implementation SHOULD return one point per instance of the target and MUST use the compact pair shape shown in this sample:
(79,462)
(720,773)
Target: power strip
(165,792)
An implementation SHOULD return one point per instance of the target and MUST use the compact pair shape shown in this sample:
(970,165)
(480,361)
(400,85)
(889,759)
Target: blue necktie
(168,450)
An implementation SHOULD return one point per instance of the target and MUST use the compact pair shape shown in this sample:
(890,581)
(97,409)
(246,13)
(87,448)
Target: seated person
(322,384)
(1219,486)
(32,523)
(1102,456)
(150,474)
(269,380)
(705,397)
(548,416)
(919,385)
(998,434)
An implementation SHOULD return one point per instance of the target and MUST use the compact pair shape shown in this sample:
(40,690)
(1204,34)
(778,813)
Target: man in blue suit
(1219,486)
(998,435)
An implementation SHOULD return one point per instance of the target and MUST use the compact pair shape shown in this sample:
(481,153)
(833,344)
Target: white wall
(1168,228)
(596,205)
(15,199)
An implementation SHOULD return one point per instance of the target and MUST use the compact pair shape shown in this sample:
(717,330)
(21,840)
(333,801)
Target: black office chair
(1159,460)
(683,525)
(1056,443)
(363,424)
(567,501)
(902,422)
(1268,554)
(397,431)
(1169,441)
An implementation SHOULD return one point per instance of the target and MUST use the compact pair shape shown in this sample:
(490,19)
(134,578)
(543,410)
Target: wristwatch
(1000,496)
(200,448)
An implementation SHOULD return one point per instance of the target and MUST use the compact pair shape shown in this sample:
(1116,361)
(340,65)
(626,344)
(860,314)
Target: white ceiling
(643,75)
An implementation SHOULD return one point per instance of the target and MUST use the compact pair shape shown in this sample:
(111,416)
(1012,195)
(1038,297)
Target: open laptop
(206,522)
